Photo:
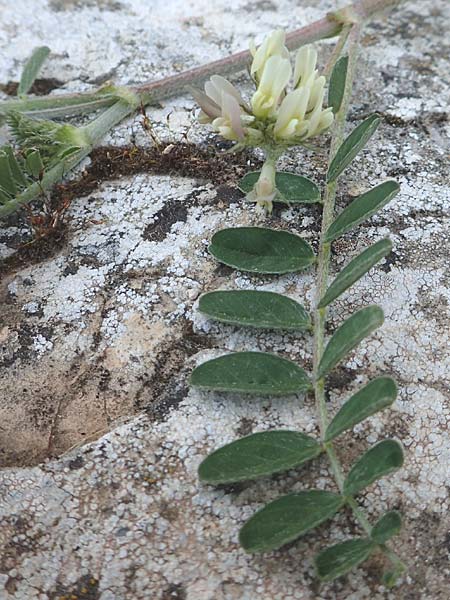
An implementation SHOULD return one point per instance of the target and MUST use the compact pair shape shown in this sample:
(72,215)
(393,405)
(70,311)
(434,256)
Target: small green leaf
(341,558)
(251,373)
(32,68)
(386,527)
(362,208)
(4,197)
(6,179)
(253,308)
(287,518)
(380,460)
(352,145)
(16,169)
(292,189)
(34,163)
(355,269)
(336,88)
(373,397)
(258,455)
(349,335)
(261,250)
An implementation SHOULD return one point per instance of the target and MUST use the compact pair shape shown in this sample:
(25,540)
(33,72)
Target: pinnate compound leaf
(287,518)
(348,336)
(32,68)
(341,558)
(258,455)
(253,308)
(251,373)
(352,145)
(373,397)
(261,250)
(380,460)
(355,269)
(292,189)
(362,208)
(386,527)
(336,88)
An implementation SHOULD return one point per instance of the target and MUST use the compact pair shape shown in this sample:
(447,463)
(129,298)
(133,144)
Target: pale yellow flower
(274,79)
(273,45)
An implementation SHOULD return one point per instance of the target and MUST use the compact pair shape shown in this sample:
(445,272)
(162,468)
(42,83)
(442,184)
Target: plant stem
(337,51)
(320,314)
(154,91)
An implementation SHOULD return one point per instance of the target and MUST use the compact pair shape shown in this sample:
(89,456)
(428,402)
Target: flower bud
(273,45)
(264,190)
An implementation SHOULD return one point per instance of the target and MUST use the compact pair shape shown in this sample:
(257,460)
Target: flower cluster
(274,115)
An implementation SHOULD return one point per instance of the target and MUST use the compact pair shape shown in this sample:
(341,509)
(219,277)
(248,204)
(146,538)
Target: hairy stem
(320,314)
(152,92)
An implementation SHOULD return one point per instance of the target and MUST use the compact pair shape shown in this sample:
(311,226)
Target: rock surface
(99,329)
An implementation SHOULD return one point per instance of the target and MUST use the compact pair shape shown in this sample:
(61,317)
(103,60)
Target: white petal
(317,93)
(232,111)
(223,85)
(305,63)
(206,104)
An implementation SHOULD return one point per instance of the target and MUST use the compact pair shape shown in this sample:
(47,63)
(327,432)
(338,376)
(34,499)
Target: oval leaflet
(251,373)
(254,308)
(258,455)
(261,250)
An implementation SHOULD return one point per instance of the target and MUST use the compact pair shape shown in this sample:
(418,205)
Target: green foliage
(352,145)
(251,373)
(373,397)
(337,83)
(348,336)
(287,518)
(267,251)
(251,308)
(291,189)
(341,558)
(386,527)
(362,208)
(258,455)
(53,141)
(32,68)
(380,460)
(355,269)
(261,250)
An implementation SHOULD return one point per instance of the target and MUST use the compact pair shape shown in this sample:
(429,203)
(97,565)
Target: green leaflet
(386,527)
(261,250)
(251,373)
(258,455)
(362,208)
(348,336)
(254,308)
(352,145)
(355,269)
(34,163)
(32,68)
(16,169)
(287,518)
(341,558)
(292,189)
(380,460)
(336,88)
(7,182)
(373,397)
